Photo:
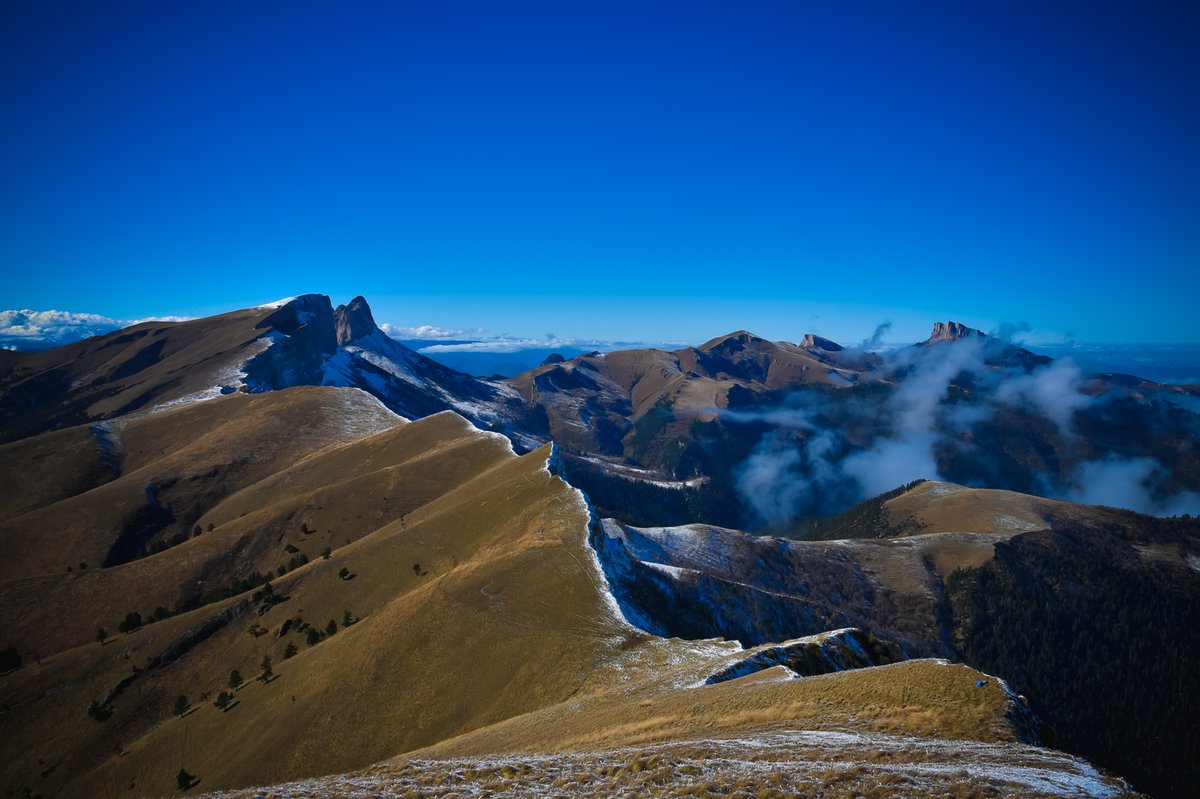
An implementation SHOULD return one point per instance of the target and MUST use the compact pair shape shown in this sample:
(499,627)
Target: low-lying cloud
(429,332)
(824,450)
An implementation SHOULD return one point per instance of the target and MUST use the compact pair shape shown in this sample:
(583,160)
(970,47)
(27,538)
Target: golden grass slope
(503,616)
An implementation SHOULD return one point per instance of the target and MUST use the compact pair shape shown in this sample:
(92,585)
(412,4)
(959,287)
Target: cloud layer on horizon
(29,329)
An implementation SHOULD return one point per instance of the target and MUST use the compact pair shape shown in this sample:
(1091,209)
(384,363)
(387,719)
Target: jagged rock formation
(952,331)
(811,341)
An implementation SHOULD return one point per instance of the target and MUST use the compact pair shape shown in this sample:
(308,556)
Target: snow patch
(276,304)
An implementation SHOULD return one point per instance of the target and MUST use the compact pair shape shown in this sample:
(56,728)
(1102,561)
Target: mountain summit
(354,321)
(952,331)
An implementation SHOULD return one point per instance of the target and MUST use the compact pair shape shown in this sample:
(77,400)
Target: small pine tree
(197,531)
(331,628)
(181,705)
(313,636)
(289,651)
(344,573)
(223,699)
(235,679)
(10,659)
(210,526)
(98,711)
(101,635)
(326,552)
(266,673)
(347,619)
(184,780)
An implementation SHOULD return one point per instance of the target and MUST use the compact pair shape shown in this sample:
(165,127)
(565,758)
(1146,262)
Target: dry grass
(474,639)
(754,766)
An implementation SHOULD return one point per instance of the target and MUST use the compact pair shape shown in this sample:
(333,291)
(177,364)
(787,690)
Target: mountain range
(619,565)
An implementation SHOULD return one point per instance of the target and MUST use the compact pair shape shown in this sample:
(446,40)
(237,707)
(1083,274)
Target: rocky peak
(354,321)
(952,331)
(815,342)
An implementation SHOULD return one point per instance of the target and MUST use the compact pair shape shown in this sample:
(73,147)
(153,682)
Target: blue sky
(636,171)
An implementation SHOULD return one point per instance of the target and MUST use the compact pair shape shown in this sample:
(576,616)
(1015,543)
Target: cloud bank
(430,332)
(28,329)
(824,452)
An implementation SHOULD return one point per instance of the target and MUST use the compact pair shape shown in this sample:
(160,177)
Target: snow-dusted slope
(403,379)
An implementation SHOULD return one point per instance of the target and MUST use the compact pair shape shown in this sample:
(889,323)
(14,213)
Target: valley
(276,546)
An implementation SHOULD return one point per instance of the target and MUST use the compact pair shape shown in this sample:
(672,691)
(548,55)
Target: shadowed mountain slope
(298,341)
(1066,601)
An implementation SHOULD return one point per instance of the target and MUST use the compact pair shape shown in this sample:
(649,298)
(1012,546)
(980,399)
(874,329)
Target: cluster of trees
(314,635)
(1103,642)
(867,519)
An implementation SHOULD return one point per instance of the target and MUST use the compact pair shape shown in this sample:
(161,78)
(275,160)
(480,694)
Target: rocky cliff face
(812,341)
(354,321)
(952,331)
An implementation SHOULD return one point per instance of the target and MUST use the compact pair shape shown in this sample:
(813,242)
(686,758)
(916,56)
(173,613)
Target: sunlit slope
(479,605)
(283,499)
(917,728)
(173,468)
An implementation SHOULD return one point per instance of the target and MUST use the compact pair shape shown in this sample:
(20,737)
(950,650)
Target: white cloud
(51,324)
(505,344)
(1133,483)
(422,332)
(27,328)
(1053,389)
(157,319)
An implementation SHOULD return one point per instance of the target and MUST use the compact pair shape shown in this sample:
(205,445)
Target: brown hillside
(456,629)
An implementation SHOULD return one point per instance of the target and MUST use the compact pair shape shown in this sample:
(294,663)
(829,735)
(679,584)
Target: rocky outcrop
(354,321)
(952,331)
(836,650)
(811,341)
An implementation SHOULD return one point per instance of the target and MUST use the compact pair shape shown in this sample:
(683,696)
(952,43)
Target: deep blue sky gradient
(638,171)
